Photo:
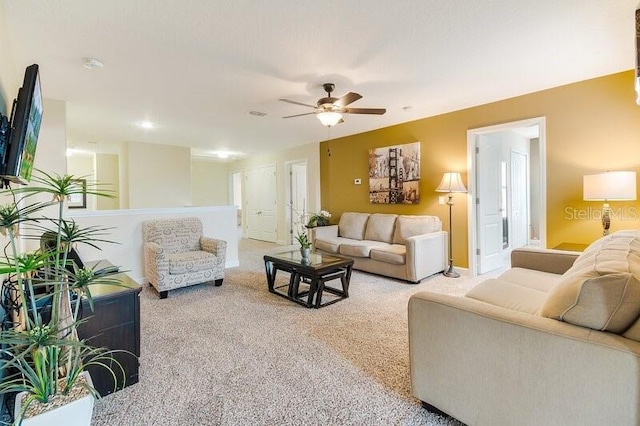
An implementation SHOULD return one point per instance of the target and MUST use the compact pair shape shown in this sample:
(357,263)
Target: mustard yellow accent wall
(592,126)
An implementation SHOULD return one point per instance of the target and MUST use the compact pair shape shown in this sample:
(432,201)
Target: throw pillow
(609,302)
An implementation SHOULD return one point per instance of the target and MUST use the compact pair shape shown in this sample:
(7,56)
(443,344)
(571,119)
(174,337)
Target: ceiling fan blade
(299,115)
(296,103)
(347,99)
(377,111)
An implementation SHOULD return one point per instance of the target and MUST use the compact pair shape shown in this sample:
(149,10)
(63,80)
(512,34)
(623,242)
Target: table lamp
(609,186)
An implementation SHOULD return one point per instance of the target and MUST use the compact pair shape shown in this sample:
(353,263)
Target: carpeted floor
(238,355)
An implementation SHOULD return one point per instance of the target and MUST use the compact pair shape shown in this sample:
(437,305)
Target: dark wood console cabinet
(114,324)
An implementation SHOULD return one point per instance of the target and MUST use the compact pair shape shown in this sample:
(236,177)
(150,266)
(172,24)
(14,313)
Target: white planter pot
(76,413)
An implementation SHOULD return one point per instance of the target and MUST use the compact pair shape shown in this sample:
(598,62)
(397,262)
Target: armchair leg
(218,283)
(163,294)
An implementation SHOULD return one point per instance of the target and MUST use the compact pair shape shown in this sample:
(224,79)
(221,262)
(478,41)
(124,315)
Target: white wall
(218,222)
(107,174)
(159,175)
(83,166)
(9,80)
(209,183)
(310,153)
(52,140)
(50,153)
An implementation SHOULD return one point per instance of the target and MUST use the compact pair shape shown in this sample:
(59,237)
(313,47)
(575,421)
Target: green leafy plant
(41,352)
(319,219)
(303,240)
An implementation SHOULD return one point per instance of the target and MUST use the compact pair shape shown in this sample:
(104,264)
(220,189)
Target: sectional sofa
(408,247)
(555,340)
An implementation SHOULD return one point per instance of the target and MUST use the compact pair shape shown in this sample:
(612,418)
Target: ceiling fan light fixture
(329,118)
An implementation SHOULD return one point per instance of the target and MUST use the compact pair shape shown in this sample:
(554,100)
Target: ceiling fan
(329,109)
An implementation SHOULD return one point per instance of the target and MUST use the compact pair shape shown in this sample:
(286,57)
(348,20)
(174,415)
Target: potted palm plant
(42,357)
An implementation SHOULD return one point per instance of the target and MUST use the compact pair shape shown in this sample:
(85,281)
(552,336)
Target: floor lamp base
(451,273)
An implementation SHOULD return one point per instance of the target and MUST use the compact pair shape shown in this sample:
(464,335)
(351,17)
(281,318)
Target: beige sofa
(406,247)
(549,342)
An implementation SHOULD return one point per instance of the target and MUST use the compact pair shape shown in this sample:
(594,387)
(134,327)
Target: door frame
(242,209)
(472,137)
(287,195)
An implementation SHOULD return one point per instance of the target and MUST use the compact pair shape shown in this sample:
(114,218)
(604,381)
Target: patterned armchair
(177,255)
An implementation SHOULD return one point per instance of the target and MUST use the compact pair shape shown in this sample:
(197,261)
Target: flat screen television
(26,117)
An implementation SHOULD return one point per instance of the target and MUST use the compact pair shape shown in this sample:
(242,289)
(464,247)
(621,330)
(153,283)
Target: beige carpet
(238,355)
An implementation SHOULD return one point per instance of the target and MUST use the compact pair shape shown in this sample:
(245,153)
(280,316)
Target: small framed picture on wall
(79,200)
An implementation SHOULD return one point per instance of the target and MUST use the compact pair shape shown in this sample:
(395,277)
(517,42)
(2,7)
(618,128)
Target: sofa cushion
(618,252)
(330,245)
(633,332)
(395,254)
(352,225)
(602,288)
(360,248)
(191,261)
(409,226)
(608,302)
(380,227)
(537,280)
(508,295)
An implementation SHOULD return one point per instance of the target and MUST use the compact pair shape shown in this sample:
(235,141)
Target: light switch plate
(357,181)
(441,200)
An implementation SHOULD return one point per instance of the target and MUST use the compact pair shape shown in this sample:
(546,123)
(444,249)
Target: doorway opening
(507,185)
(235,197)
(297,199)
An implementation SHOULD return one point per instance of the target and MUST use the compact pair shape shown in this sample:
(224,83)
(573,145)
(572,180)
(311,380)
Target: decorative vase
(75,413)
(305,252)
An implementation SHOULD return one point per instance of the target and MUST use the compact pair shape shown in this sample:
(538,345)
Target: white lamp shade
(619,186)
(451,182)
(329,118)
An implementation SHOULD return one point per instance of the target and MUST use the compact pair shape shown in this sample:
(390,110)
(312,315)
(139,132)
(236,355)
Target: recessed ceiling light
(220,155)
(146,124)
(92,64)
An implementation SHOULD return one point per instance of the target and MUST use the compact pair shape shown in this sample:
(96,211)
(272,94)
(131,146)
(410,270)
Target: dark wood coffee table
(320,269)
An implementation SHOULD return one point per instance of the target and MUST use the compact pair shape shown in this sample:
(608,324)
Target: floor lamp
(451,182)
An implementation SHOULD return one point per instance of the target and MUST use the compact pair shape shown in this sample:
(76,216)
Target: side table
(571,247)
(114,324)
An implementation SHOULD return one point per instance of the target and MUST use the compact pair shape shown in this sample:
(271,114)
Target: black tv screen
(26,117)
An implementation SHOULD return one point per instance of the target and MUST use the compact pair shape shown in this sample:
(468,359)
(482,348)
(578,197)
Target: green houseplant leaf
(42,353)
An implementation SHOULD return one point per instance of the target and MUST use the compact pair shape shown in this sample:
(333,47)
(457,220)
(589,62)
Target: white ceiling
(198,67)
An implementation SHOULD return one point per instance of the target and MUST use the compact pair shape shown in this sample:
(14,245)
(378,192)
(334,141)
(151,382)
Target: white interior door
(299,198)
(526,207)
(489,204)
(261,203)
(519,200)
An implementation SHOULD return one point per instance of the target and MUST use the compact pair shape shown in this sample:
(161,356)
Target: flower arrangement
(318,219)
